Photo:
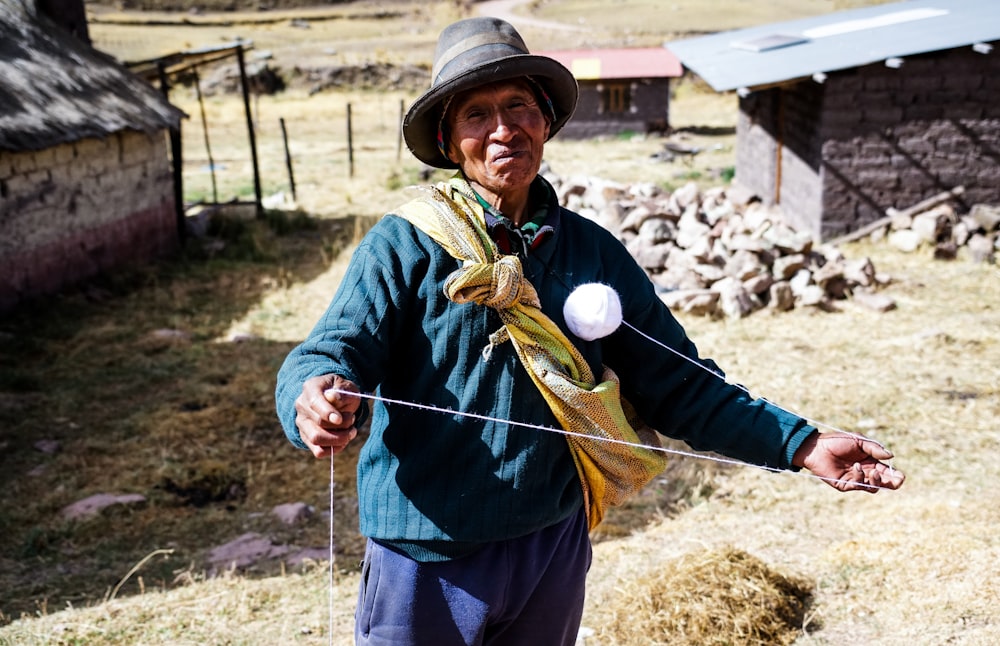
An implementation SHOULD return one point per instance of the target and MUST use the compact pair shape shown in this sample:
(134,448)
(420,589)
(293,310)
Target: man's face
(496,134)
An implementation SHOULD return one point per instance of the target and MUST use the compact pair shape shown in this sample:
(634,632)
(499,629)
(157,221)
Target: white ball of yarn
(593,311)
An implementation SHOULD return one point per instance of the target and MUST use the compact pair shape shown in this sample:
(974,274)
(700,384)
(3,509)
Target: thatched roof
(55,89)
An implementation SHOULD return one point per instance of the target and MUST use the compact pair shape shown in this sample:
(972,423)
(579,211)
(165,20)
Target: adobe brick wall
(650,106)
(71,212)
(756,144)
(874,137)
(782,165)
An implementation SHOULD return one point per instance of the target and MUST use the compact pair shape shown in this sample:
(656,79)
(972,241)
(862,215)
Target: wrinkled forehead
(488,92)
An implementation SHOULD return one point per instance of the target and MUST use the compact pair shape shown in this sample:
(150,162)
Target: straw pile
(710,598)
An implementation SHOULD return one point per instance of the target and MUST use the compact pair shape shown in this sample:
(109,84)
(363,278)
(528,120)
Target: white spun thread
(333,552)
(538,427)
(721,376)
(593,311)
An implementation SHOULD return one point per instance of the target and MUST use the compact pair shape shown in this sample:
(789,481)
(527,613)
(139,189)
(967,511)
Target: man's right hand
(325,415)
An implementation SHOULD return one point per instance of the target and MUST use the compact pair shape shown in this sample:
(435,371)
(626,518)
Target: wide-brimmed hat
(474,52)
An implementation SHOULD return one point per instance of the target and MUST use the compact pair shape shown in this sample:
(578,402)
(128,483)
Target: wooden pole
(204,127)
(177,157)
(399,133)
(288,159)
(350,144)
(253,139)
(779,145)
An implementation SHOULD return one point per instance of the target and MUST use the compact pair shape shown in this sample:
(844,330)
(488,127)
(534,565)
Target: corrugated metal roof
(774,53)
(627,63)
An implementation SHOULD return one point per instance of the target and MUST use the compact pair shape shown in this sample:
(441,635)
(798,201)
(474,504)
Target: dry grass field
(160,383)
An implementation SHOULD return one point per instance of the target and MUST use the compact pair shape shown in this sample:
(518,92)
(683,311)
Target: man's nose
(503,126)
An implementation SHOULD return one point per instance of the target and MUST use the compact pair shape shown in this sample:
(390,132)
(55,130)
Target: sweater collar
(542,225)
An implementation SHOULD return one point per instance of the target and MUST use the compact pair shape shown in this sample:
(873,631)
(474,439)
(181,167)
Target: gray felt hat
(474,52)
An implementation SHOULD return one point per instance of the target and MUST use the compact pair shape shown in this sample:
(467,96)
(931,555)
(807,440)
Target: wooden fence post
(253,139)
(177,159)
(399,132)
(288,159)
(350,144)
(204,128)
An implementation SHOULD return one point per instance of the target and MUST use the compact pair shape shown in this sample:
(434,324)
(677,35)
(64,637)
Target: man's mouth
(507,154)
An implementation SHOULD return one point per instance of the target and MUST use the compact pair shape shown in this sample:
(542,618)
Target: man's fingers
(889,478)
(326,414)
(340,397)
(319,451)
(856,475)
(876,450)
(330,406)
(878,476)
(322,441)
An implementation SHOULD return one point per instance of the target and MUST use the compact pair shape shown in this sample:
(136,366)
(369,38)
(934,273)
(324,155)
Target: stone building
(621,90)
(86,184)
(846,115)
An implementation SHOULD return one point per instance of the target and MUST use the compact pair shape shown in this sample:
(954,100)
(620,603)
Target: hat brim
(420,124)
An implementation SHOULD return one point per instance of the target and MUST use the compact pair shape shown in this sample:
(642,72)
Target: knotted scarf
(594,413)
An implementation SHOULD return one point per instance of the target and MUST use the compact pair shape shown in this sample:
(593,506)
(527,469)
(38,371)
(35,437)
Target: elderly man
(451,313)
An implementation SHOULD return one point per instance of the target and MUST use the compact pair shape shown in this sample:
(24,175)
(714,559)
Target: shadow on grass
(708,131)
(123,386)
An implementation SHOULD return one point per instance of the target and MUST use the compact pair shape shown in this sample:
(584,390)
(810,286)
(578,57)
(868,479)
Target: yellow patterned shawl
(593,413)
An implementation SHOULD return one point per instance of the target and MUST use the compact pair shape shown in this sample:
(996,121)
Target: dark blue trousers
(527,591)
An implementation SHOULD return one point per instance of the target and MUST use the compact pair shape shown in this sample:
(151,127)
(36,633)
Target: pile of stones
(711,255)
(946,231)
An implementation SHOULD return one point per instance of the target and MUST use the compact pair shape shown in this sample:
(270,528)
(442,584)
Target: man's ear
(443,132)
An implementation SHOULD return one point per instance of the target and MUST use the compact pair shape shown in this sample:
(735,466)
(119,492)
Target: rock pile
(935,223)
(946,232)
(715,255)
(369,76)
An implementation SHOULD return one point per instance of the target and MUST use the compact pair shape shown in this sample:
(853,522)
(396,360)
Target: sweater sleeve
(352,338)
(677,392)
(687,397)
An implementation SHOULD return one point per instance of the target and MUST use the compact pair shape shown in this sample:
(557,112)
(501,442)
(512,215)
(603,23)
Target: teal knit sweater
(437,485)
